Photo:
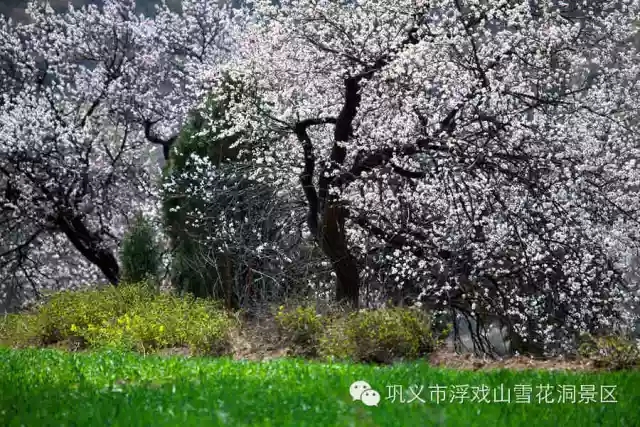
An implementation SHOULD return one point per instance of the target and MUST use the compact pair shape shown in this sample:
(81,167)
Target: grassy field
(54,388)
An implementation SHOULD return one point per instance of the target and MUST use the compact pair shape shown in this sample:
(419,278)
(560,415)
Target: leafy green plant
(301,327)
(129,317)
(334,344)
(20,330)
(208,332)
(140,253)
(166,321)
(67,314)
(381,336)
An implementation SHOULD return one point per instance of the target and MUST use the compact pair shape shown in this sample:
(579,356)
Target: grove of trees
(476,157)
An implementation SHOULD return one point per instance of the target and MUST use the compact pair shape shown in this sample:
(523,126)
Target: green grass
(53,388)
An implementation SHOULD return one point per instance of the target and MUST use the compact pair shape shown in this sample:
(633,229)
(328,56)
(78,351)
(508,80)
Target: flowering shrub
(130,317)
(167,321)
(68,313)
(235,235)
(20,330)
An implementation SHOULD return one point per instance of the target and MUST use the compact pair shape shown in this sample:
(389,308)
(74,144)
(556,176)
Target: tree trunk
(90,245)
(334,244)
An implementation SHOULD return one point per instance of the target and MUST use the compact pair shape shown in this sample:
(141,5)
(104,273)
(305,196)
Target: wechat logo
(361,390)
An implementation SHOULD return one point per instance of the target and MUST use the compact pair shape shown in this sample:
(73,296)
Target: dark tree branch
(306,177)
(88,244)
(154,139)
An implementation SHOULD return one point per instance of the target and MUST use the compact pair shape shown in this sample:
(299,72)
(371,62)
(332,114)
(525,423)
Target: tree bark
(333,242)
(90,245)
(326,216)
(329,229)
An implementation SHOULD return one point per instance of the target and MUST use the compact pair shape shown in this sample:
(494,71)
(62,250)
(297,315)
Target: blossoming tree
(483,153)
(478,155)
(88,98)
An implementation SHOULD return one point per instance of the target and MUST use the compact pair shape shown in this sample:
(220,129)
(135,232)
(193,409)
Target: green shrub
(190,271)
(20,330)
(335,344)
(167,321)
(129,317)
(208,331)
(198,264)
(613,352)
(66,314)
(301,327)
(368,335)
(140,253)
(381,336)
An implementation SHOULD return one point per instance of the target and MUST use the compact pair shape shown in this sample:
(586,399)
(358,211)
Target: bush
(334,343)
(167,321)
(214,202)
(140,253)
(614,352)
(67,313)
(368,335)
(301,327)
(20,330)
(129,317)
(381,336)
(190,272)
